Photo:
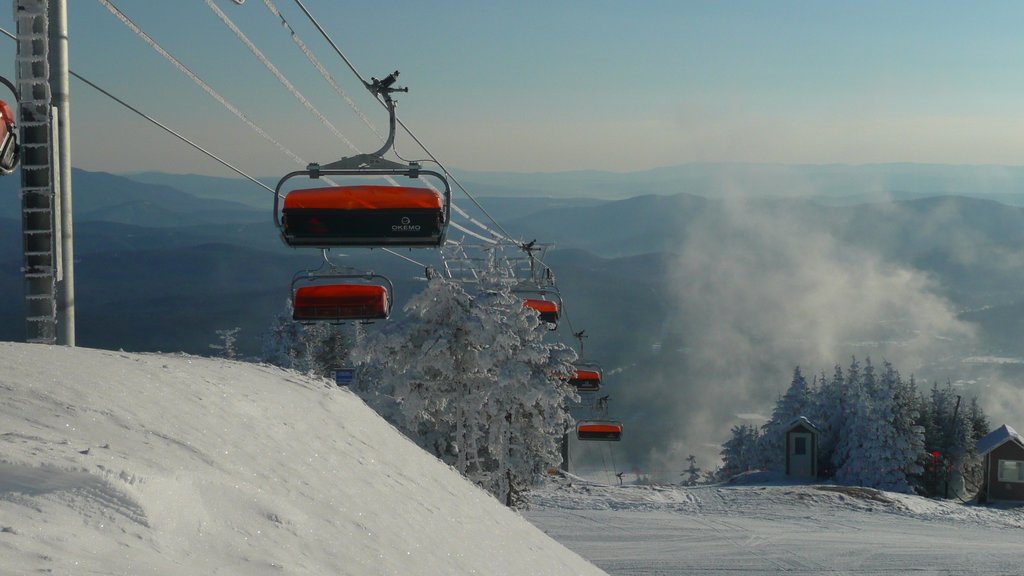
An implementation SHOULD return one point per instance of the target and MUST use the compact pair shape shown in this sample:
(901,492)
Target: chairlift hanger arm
(382,89)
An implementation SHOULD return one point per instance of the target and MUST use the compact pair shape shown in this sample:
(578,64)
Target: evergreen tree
(692,473)
(793,404)
(829,415)
(877,430)
(315,348)
(910,435)
(741,453)
(973,467)
(849,437)
(228,340)
(471,379)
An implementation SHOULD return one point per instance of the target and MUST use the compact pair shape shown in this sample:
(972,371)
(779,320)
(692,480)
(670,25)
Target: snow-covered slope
(774,527)
(118,463)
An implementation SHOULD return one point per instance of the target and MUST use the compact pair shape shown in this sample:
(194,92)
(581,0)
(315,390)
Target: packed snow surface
(135,464)
(767,526)
(132,464)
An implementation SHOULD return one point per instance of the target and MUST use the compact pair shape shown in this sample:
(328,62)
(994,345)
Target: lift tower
(40,72)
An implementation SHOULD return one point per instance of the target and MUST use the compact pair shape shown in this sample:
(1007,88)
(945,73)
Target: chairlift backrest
(586,379)
(600,430)
(336,297)
(548,310)
(394,216)
(340,302)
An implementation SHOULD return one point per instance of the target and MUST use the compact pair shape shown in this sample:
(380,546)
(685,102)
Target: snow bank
(120,463)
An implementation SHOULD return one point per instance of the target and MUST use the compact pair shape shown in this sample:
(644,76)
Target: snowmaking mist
(761,287)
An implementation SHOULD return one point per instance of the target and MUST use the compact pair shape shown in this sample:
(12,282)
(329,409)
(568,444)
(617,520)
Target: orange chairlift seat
(339,302)
(602,430)
(337,295)
(547,309)
(586,379)
(363,215)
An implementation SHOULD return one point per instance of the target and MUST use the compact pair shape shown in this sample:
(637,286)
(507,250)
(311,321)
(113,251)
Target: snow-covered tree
(316,348)
(829,414)
(741,452)
(908,444)
(877,430)
(951,430)
(794,403)
(228,342)
(692,475)
(471,378)
(854,426)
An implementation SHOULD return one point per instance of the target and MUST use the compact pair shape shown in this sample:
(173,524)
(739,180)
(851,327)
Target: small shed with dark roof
(1003,451)
(802,449)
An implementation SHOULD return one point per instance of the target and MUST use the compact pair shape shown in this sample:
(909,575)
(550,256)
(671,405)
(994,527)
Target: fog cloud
(761,287)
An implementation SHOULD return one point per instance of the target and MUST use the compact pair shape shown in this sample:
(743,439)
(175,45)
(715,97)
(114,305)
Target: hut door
(800,457)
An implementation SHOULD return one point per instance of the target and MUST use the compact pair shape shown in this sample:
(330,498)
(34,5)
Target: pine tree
(909,442)
(793,404)
(829,415)
(316,348)
(228,340)
(692,473)
(741,453)
(470,378)
(856,412)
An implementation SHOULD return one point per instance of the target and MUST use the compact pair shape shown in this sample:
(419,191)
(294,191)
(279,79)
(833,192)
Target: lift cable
(199,81)
(277,74)
(321,68)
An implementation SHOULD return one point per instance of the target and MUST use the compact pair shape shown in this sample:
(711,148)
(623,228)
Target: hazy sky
(546,86)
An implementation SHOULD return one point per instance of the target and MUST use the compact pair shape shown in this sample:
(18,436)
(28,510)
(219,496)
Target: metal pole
(59,87)
(565,452)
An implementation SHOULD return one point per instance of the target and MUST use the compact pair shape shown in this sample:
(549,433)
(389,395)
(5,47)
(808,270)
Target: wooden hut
(1003,451)
(802,449)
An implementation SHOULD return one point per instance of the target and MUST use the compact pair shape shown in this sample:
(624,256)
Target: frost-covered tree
(879,431)
(829,414)
(794,403)
(881,442)
(228,342)
(471,379)
(741,452)
(316,348)
(951,430)
(692,475)
(908,444)
(854,425)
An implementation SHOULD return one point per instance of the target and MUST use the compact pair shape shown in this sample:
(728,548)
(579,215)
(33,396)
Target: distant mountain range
(841,184)
(167,218)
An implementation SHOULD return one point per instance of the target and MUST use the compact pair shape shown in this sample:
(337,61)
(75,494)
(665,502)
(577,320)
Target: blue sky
(576,85)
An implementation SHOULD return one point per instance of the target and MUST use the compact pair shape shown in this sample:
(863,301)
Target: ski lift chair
(339,297)
(599,430)
(586,378)
(366,215)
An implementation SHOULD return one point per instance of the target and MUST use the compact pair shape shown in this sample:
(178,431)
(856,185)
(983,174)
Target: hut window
(799,446)
(1011,471)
